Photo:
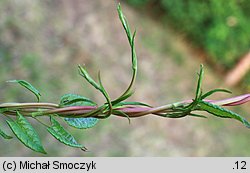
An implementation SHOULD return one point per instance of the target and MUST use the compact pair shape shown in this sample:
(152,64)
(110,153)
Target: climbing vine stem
(82,113)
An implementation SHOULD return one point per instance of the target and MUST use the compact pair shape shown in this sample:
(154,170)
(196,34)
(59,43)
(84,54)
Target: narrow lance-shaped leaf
(134,57)
(124,23)
(77,100)
(222,112)
(83,72)
(198,93)
(105,94)
(4,135)
(26,133)
(28,86)
(131,39)
(122,97)
(214,91)
(131,104)
(198,89)
(61,134)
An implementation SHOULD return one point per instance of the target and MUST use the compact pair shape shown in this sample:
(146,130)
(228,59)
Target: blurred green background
(218,29)
(44,41)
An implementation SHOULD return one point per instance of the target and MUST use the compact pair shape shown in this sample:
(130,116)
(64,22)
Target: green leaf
(214,91)
(124,23)
(122,97)
(26,133)
(28,86)
(198,93)
(131,103)
(61,134)
(2,110)
(198,89)
(82,123)
(222,112)
(106,95)
(131,39)
(4,135)
(77,100)
(83,72)
(134,58)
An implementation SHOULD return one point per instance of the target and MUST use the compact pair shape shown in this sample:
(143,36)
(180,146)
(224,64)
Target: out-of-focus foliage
(221,28)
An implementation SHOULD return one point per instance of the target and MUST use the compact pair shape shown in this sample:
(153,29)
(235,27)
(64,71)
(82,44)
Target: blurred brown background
(44,41)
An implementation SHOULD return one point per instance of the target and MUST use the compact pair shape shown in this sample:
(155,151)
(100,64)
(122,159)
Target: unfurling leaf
(28,86)
(198,88)
(61,134)
(26,133)
(131,39)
